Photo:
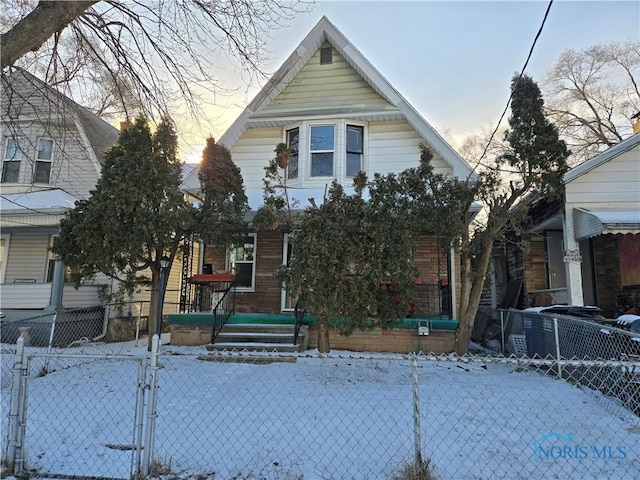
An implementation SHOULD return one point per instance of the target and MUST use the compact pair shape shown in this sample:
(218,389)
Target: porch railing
(432,300)
(223,310)
(299,313)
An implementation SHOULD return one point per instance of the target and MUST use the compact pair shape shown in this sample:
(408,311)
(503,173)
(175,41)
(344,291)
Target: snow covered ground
(312,416)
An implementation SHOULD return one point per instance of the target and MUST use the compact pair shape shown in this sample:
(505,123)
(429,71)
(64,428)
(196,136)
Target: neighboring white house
(602,207)
(51,152)
(339,115)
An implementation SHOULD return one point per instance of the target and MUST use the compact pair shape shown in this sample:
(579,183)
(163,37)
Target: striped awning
(591,223)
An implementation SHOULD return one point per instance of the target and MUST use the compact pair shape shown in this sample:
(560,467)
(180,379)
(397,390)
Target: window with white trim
(44,157)
(321,148)
(13,154)
(242,263)
(293,141)
(335,150)
(355,149)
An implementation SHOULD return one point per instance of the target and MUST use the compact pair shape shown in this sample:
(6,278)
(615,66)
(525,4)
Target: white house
(330,105)
(602,211)
(51,152)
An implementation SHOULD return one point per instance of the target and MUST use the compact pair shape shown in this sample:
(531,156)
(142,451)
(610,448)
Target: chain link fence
(100,329)
(240,415)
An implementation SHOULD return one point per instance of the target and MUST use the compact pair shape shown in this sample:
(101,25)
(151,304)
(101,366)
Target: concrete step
(253,347)
(258,328)
(260,337)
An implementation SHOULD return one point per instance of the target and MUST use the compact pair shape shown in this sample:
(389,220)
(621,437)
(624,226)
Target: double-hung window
(355,140)
(293,141)
(242,263)
(44,156)
(13,154)
(322,149)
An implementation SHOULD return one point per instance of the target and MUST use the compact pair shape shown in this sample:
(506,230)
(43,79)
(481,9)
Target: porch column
(57,288)
(572,260)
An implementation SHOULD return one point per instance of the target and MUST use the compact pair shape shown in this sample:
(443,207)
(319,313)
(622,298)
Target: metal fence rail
(240,415)
(74,427)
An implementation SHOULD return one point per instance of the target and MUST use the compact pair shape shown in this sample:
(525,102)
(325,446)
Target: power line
(39,212)
(524,67)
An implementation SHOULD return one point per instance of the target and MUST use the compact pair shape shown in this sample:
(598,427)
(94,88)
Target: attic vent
(326,56)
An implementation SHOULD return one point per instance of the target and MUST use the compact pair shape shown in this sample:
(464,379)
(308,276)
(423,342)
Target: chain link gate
(53,435)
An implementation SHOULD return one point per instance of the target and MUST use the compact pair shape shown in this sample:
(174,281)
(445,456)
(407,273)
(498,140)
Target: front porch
(195,329)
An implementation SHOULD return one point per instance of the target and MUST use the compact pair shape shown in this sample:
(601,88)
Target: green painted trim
(204,319)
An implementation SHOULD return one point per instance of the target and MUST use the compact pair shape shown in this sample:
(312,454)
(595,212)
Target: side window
(355,140)
(242,263)
(293,139)
(13,154)
(322,149)
(44,157)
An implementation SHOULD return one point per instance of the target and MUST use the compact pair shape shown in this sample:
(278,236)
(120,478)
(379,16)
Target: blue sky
(453,61)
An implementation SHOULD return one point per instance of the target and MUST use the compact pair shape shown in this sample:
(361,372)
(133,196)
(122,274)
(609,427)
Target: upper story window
(13,154)
(321,150)
(355,149)
(334,149)
(242,263)
(44,156)
(293,140)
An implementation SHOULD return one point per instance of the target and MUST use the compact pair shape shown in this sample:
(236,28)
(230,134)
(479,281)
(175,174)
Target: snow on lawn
(342,416)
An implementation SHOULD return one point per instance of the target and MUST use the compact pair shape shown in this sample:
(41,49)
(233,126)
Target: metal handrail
(299,313)
(223,310)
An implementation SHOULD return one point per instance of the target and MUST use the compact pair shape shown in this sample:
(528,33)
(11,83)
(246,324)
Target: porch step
(257,337)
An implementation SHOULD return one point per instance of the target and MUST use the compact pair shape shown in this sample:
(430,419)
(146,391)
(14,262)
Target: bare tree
(593,94)
(155,51)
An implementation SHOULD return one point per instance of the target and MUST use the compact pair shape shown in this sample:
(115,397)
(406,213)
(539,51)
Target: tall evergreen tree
(536,160)
(220,219)
(134,216)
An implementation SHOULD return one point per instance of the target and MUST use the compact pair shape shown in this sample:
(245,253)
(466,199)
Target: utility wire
(524,67)
(40,212)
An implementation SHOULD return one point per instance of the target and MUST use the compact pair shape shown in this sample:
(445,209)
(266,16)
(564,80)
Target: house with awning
(583,248)
(602,211)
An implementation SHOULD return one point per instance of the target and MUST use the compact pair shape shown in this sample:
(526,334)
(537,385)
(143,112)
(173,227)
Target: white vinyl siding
(326,88)
(253,152)
(615,184)
(71,169)
(394,147)
(28,256)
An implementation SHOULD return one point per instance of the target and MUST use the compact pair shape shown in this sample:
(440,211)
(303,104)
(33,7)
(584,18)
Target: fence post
(139,417)
(416,415)
(14,442)
(151,407)
(557,340)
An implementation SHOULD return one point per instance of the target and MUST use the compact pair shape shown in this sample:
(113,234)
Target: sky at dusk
(453,61)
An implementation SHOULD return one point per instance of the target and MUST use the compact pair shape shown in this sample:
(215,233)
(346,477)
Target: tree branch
(36,28)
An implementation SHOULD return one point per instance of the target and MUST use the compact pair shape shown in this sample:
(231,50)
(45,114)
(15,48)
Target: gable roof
(97,134)
(602,158)
(325,31)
